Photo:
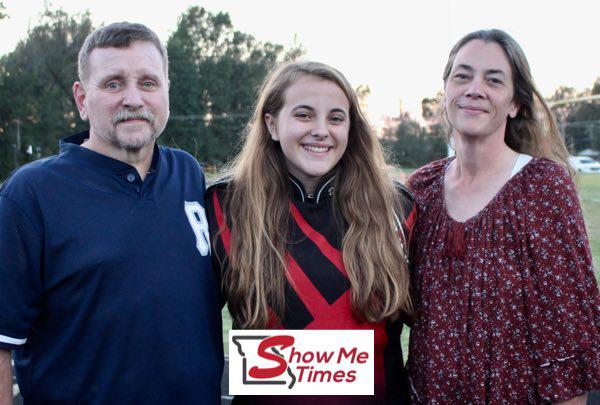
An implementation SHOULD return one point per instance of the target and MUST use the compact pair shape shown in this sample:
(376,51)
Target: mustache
(124,115)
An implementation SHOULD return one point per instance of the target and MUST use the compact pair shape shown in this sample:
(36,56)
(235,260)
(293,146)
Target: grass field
(589,194)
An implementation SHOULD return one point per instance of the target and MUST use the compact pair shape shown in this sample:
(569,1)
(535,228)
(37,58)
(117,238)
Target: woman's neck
(482,157)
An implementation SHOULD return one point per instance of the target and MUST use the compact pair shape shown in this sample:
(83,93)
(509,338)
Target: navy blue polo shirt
(106,287)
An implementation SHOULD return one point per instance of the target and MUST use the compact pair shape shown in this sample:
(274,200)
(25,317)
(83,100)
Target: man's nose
(132,97)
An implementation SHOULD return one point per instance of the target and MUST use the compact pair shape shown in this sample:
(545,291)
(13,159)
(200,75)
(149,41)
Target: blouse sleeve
(563,305)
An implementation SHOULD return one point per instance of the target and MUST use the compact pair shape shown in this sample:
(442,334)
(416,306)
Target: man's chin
(135,143)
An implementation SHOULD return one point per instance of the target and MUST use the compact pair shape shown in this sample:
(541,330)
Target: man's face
(125,95)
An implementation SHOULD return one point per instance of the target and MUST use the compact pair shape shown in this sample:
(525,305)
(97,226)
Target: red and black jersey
(317,290)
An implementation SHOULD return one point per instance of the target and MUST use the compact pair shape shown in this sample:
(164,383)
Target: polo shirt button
(131,177)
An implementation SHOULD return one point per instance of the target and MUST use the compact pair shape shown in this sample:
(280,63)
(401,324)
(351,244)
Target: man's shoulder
(27,176)
(177,155)
(180,161)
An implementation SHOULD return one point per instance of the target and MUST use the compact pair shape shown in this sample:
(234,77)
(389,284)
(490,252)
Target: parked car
(584,164)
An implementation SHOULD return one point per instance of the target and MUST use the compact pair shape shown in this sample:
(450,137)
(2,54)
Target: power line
(573,100)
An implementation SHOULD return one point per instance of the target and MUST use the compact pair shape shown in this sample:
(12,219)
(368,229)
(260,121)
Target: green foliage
(35,87)
(215,72)
(589,194)
(580,121)
(410,145)
(2,9)
(296,50)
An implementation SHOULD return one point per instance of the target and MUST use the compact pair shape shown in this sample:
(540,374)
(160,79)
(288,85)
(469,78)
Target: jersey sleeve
(563,305)
(21,249)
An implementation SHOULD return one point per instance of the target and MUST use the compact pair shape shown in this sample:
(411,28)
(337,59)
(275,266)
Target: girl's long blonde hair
(257,205)
(534,130)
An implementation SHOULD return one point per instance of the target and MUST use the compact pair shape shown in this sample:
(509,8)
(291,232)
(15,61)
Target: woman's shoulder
(426,176)
(543,177)
(547,166)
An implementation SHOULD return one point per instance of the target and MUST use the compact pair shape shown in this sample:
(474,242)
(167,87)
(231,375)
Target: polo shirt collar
(71,145)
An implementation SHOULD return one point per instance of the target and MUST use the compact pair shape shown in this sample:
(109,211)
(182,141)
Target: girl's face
(312,128)
(479,91)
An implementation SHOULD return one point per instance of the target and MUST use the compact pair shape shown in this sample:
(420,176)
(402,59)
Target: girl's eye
(336,119)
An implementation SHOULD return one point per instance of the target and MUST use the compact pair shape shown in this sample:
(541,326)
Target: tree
(579,120)
(583,123)
(215,73)
(296,51)
(431,108)
(410,144)
(35,88)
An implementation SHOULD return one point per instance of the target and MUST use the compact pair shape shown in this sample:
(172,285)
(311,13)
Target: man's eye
(113,85)
(148,84)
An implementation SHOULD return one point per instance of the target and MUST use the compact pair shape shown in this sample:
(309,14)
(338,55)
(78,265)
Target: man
(106,289)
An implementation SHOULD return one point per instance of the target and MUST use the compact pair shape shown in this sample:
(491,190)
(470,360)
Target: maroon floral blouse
(508,309)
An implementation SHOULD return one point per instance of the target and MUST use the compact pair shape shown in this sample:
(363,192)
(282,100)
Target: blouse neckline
(521,162)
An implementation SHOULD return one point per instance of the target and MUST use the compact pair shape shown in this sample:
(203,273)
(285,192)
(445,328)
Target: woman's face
(312,128)
(479,91)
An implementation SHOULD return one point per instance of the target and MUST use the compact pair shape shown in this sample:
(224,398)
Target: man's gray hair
(118,35)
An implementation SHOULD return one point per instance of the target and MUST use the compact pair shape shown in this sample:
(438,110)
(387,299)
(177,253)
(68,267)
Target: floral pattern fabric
(508,309)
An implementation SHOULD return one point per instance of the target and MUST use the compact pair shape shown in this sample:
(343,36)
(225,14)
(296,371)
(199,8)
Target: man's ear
(79,96)
(271,123)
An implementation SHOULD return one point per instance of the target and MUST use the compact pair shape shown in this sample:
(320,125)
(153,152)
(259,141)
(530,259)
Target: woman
(507,302)
(309,231)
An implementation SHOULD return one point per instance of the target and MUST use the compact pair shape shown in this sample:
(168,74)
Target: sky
(397,48)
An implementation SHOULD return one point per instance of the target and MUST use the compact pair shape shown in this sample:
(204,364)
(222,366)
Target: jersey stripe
(334,255)
(308,293)
(225,235)
(410,220)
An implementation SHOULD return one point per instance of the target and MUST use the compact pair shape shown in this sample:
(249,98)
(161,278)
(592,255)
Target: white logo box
(301,362)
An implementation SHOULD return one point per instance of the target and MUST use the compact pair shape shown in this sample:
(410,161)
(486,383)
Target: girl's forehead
(314,89)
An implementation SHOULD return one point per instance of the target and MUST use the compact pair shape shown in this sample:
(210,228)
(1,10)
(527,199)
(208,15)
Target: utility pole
(18,143)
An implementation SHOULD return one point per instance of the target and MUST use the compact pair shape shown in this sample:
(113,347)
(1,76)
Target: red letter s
(270,372)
